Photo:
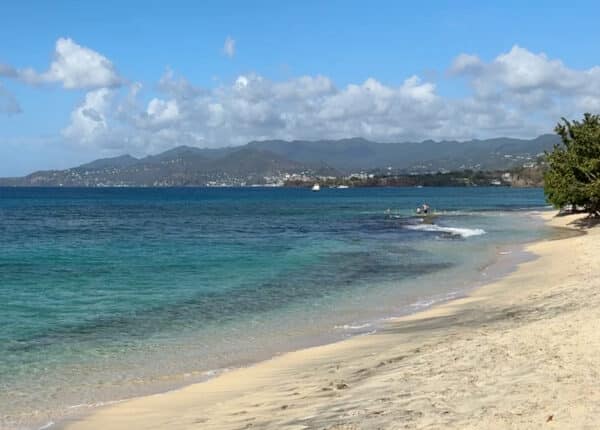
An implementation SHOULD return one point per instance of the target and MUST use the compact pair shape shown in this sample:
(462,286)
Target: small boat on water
(316,187)
(342,187)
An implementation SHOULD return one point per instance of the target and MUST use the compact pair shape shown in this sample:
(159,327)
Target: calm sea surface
(110,293)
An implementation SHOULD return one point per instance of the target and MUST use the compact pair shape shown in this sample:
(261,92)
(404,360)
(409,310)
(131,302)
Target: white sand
(523,352)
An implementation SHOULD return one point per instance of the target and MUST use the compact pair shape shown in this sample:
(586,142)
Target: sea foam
(456,231)
(352,327)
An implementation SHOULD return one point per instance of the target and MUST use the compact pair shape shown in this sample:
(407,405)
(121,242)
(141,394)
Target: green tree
(573,176)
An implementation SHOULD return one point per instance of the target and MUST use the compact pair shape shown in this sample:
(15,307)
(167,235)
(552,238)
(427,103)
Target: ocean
(111,293)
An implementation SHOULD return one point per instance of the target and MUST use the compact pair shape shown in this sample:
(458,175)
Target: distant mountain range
(272,161)
(360,154)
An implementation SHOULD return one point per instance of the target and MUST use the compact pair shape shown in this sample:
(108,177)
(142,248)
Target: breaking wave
(455,231)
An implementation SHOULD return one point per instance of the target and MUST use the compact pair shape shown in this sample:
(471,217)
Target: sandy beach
(522,352)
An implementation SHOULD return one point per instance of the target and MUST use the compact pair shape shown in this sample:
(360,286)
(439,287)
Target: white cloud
(253,107)
(518,93)
(161,111)
(529,90)
(229,47)
(89,121)
(74,66)
(466,63)
(526,75)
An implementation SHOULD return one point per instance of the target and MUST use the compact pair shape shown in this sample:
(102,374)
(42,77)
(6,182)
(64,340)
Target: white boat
(316,187)
(342,187)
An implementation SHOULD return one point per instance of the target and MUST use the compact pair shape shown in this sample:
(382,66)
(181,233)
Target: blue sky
(387,71)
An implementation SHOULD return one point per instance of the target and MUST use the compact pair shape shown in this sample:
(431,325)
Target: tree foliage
(573,176)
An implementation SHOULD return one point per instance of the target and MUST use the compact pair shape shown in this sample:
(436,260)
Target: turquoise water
(109,293)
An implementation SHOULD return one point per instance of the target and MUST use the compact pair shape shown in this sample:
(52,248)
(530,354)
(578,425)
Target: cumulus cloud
(518,93)
(89,121)
(531,77)
(466,64)
(229,47)
(253,107)
(530,86)
(162,111)
(74,66)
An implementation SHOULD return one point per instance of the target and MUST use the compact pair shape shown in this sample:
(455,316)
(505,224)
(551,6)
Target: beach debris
(342,386)
(550,418)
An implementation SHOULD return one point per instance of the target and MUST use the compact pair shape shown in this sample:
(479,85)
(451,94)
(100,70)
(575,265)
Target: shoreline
(499,262)
(505,260)
(226,394)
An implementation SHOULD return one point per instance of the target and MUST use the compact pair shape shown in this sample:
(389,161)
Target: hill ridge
(269,161)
